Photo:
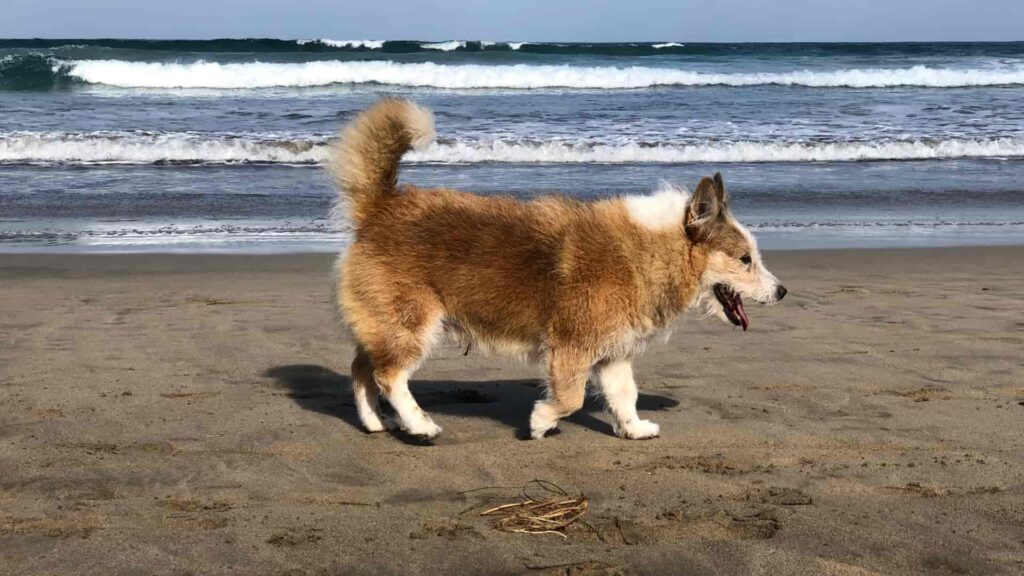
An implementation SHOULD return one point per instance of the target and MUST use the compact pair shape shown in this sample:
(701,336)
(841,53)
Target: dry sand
(191,415)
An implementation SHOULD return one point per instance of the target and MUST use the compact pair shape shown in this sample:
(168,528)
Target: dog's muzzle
(732,303)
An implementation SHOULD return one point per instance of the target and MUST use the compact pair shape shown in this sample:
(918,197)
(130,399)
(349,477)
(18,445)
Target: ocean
(218,145)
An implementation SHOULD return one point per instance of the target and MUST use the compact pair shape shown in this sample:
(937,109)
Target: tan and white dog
(580,286)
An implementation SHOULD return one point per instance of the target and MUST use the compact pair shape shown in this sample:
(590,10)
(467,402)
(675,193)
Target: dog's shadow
(509,402)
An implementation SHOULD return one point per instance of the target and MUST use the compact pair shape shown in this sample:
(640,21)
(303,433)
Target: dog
(579,286)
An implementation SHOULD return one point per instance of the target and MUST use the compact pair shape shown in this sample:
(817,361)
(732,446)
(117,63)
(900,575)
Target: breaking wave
(366,44)
(159,148)
(191,148)
(444,46)
(216,75)
(639,153)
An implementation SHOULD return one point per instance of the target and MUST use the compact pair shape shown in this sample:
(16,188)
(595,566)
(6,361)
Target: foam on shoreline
(191,148)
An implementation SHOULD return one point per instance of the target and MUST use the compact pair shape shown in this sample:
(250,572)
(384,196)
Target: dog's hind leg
(413,419)
(396,323)
(365,390)
(620,393)
(396,354)
(567,384)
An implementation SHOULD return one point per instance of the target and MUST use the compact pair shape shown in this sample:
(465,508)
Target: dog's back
(495,267)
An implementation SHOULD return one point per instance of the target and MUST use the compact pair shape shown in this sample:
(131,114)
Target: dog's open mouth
(732,304)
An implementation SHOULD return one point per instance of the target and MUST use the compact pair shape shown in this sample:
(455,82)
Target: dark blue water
(218,145)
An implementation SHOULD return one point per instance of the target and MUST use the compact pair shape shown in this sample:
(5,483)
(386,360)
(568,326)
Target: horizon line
(378,39)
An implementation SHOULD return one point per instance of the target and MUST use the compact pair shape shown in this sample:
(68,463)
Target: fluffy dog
(579,286)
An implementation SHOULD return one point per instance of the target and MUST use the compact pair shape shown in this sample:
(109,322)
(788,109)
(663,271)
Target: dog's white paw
(374,421)
(639,429)
(538,432)
(379,423)
(374,426)
(425,428)
(542,420)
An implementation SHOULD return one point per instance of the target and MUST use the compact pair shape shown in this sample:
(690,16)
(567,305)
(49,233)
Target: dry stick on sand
(540,515)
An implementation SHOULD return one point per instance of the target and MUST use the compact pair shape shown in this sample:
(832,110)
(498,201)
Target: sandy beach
(192,415)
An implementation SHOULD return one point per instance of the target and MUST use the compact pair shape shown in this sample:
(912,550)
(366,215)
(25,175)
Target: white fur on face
(753,283)
(760,284)
(660,211)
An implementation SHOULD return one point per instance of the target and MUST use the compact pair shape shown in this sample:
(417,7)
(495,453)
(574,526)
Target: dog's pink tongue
(738,306)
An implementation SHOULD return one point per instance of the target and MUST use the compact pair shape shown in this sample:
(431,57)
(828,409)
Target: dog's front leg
(567,384)
(620,394)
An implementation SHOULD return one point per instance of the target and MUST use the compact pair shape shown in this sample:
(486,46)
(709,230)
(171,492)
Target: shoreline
(334,249)
(193,413)
(146,258)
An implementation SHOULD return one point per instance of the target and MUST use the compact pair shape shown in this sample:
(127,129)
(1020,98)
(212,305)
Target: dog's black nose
(780,292)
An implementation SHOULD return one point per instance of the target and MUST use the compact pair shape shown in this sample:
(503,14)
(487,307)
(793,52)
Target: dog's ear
(723,196)
(706,209)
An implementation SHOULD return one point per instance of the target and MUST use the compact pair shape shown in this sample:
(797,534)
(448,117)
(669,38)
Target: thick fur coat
(580,286)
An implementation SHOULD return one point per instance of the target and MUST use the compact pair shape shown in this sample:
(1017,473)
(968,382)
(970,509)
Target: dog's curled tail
(365,160)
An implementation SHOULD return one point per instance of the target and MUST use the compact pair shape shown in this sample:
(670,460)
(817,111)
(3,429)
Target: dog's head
(734,269)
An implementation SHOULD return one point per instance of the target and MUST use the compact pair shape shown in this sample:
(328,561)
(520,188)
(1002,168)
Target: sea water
(219,145)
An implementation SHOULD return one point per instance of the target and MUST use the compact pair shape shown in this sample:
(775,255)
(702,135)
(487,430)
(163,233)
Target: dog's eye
(745,259)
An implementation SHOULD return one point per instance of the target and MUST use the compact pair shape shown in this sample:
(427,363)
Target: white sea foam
(444,46)
(204,74)
(133,148)
(667,45)
(511,45)
(560,152)
(368,44)
(186,235)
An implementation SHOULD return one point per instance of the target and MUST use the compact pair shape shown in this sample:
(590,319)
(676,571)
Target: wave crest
(366,44)
(172,148)
(723,152)
(216,75)
(140,148)
(444,46)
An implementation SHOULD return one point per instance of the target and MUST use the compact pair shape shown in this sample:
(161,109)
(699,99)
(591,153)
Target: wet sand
(192,415)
